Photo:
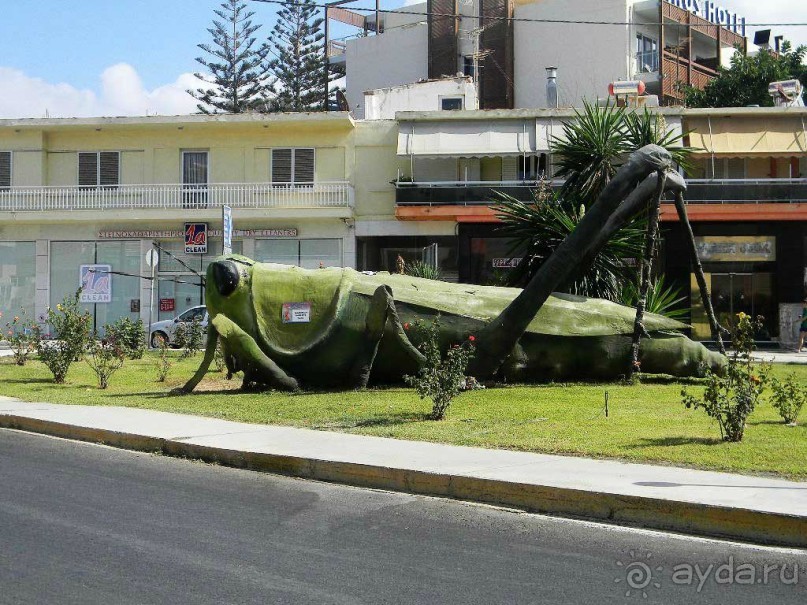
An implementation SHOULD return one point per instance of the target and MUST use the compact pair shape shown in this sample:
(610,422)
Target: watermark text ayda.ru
(641,575)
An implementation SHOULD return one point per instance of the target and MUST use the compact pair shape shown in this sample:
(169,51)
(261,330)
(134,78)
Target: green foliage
(164,361)
(105,357)
(218,357)
(537,228)
(442,377)
(129,335)
(298,66)
(788,398)
(746,81)
(71,334)
(424,270)
(22,338)
(237,69)
(661,299)
(188,337)
(731,399)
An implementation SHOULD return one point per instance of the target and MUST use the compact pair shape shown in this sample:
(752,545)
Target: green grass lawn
(646,423)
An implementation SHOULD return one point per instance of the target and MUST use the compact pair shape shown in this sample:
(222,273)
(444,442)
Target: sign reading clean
(195,238)
(96,283)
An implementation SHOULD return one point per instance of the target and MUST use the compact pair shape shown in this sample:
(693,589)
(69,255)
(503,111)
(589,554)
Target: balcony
(330,194)
(462,193)
(747,191)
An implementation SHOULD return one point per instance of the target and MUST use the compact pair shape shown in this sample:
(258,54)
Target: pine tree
(237,66)
(299,59)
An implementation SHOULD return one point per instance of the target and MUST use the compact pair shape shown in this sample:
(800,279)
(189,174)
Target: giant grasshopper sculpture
(355,330)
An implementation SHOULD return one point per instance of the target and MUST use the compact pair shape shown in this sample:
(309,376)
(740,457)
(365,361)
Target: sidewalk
(755,509)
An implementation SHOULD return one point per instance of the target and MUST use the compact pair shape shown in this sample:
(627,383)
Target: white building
(666,43)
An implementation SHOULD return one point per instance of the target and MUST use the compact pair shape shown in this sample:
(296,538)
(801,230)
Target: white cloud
(121,94)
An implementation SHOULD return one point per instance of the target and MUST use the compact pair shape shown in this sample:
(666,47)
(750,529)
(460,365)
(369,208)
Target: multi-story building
(103,190)
(506,44)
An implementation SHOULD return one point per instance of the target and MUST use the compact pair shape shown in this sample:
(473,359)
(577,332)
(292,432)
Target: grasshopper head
(228,285)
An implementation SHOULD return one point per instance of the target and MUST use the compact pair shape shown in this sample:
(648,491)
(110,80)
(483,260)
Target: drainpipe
(711,145)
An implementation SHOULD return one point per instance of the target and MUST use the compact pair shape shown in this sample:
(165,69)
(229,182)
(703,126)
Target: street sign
(195,238)
(227,230)
(96,283)
(152,258)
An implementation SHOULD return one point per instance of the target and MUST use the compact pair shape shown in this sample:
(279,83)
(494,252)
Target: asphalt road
(86,524)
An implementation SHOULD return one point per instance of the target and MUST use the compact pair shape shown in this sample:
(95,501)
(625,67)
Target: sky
(111,58)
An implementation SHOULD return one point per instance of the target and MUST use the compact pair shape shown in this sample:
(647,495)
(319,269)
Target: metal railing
(699,191)
(463,192)
(329,194)
(747,191)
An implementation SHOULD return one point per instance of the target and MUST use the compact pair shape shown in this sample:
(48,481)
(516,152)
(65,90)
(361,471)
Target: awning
(738,137)
(477,138)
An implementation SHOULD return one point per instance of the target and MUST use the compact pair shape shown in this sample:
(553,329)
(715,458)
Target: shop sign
(297,313)
(167,304)
(134,305)
(714,13)
(174,234)
(728,249)
(195,238)
(96,283)
(506,263)
(227,224)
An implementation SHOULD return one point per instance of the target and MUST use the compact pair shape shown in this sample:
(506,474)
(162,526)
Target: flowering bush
(105,357)
(442,377)
(188,336)
(731,399)
(788,398)
(164,362)
(71,330)
(21,337)
(130,335)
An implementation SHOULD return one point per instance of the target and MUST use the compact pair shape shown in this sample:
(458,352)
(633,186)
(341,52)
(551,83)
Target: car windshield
(192,314)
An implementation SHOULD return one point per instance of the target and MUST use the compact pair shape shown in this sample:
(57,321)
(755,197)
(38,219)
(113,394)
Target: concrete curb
(652,513)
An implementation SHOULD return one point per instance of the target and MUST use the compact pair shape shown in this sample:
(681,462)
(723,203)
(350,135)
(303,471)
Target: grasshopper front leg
(210,353)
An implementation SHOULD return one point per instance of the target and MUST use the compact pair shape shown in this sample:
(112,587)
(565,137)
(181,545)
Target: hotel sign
(714,13)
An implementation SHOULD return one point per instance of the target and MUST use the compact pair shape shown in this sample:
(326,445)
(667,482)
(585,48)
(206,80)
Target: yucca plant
(421,269)
(662,299)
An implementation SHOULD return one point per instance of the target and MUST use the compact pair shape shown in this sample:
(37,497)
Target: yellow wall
(376,164)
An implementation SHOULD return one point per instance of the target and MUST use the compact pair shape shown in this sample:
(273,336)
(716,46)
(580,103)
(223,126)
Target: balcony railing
(331,194)
(699,191)
(464,193)
(747,191)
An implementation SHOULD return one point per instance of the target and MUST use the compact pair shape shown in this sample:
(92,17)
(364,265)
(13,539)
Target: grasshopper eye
(225,277)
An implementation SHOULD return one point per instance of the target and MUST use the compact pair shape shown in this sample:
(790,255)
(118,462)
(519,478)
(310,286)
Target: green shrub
(788,398)
(442,377)
(130,336)
(731,399)
(164,362)
(424,270)
(105,357)
(69,339)
(21,336)
(188,337)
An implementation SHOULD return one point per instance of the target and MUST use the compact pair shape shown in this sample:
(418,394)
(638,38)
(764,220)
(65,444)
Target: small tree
(237,80)
(299,62)
(71,333)
(164,362)
(788,398)
(21,337)
(731,399)
(442,377)
(105,357)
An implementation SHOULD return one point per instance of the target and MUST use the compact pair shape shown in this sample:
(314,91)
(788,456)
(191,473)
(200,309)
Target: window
(468,65)
(5,169)
(293,166)
(194,179)
(98,169)
(451,103)
(646,54)
(532,167)
(306,253)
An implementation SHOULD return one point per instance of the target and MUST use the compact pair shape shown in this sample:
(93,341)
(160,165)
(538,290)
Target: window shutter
(304,166)
(88,170)
(509,168)
(281,166)
(5,169)
(110,168)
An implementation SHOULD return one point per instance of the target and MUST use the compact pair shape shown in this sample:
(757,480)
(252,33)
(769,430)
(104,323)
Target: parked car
(166,329)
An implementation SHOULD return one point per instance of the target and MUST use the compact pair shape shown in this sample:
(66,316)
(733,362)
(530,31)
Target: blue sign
(713,13)
(227,230)
(96,283)
(195,238)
